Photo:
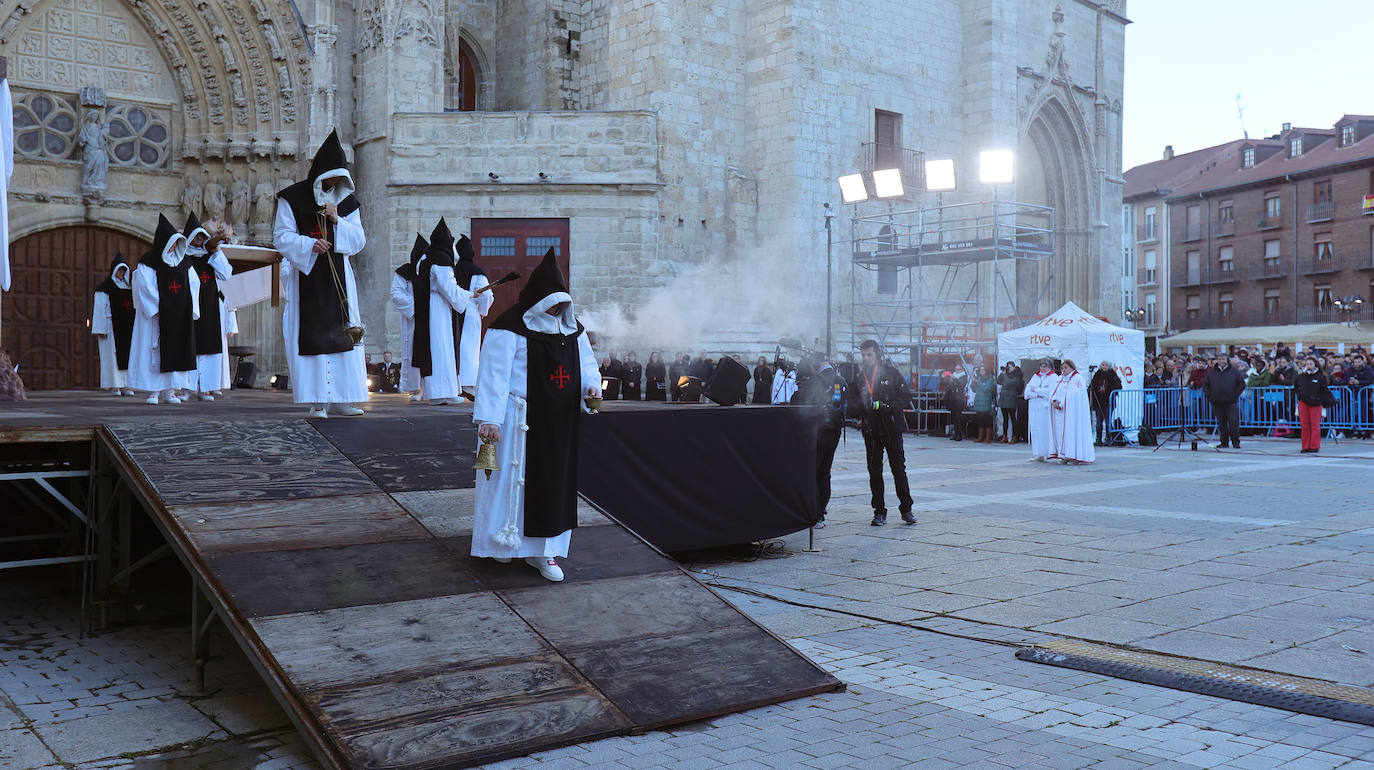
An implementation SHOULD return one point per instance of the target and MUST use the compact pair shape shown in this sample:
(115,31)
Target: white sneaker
(127,392)
(216,392)
(152,399)
(316,413)
(172,399)
(346,410)
(205,397)
(547,567)
(415,397)
(500,560)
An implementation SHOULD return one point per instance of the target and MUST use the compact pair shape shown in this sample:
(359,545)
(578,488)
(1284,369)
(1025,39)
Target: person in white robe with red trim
(536,368)
(1038,393)
(166,292)
(1071,417)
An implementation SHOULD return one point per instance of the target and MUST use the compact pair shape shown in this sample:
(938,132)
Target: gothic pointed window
(462,78)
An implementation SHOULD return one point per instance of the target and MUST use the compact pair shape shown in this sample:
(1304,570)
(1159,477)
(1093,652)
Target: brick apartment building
(1256,232)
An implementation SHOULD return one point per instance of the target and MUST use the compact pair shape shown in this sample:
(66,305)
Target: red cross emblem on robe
(205,276)
(127,304)
(560,377)
(174,286)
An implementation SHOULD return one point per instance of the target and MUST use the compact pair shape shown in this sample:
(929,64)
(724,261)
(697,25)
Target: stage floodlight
(940,175)
(852,188)
(887,183)
(996,167)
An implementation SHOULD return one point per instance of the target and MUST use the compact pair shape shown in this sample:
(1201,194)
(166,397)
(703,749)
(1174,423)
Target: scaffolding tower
(931,297)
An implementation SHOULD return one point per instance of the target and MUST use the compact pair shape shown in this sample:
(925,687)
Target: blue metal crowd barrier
(1272,409)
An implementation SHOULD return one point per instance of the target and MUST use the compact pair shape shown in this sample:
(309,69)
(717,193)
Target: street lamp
(1134,314)
(1348,306)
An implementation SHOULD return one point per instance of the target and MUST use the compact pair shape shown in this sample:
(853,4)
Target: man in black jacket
(877,396)
(1100,388)
(827,391)
(1223,386)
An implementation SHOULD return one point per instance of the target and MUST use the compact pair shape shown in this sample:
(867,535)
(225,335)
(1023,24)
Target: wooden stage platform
(335,554)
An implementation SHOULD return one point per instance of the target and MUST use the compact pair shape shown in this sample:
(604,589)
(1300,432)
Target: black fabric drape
(700,477)
(175,329)
(554,396)
(209,337)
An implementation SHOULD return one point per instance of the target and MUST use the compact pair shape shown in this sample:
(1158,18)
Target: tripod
(1185,429)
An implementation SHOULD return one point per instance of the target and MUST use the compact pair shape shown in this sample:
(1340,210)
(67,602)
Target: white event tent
(1072,332)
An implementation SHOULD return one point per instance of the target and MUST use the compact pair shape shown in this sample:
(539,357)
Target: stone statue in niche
(214,200)
(239,195)
(195,196)
(265,199)
(95,153)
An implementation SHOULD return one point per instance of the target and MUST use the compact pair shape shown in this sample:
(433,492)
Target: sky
(1305,62)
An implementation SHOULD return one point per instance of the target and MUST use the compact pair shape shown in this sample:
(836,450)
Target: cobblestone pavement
(1260,557)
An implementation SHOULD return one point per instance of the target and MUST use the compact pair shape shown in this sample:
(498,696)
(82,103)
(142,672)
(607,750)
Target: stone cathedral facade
(641,138)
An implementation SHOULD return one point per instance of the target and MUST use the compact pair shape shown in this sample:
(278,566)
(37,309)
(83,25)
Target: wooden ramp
(336,554)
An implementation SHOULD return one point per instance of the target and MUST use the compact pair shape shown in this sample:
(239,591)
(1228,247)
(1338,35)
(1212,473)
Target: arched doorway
(47,311)
(462,77)
(1055,170)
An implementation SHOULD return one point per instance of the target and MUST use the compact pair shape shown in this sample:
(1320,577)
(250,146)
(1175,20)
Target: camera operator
(878,394)
(827,390)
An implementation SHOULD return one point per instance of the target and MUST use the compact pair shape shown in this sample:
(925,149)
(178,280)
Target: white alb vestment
(145,361)
(328,378)
(6,171)
(784,386)
(445,297)
(212,369)
(403,297)
(470,346)
(1072,426)
(501,387)
(1038,393)
(102,322)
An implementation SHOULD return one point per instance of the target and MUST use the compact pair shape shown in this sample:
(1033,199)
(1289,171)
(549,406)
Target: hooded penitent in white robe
(102,323)
(403,297)
(445,298)
(327,378)
(501,380)
(1072,425)
(212,369)
(1038,393)
(470,346)
(145,362)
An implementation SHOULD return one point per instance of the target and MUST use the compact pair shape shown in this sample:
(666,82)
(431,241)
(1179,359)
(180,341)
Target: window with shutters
(887,139)
(1271,302)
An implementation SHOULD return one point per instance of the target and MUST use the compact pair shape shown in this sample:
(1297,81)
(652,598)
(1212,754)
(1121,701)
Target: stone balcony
(565,147)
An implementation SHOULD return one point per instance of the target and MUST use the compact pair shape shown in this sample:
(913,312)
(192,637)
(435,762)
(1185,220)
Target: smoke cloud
(740,305)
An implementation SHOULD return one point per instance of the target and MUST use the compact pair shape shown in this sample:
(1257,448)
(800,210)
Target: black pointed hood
(165,238)
(417,252)
(191,229)
(329,157)
(306,196)
(544,280)
(441,245)
(466,269)
(542,290)
(108,285)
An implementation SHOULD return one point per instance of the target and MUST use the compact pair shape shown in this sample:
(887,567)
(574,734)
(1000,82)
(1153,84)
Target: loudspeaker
(728,382)
(245,374)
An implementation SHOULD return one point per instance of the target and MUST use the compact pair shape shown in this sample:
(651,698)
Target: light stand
(829,309)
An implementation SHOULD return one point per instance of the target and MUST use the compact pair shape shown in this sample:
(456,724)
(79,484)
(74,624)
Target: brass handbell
(486,457)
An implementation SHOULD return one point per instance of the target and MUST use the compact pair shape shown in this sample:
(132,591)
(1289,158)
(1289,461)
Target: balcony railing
(1362,262)
(1265,318)
(1191,278)
(910,162)
(1268,269)
(1321,212)
(1192,233)
(1270,222)
(1224,228)
(1214,321)
(1327,315)
(1220,274)
(1146,233)
(1148,276)
(1318,266)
